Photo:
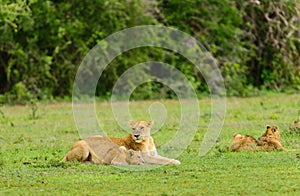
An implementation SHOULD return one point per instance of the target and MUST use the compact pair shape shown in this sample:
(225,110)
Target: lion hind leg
(79,152)
(236,147)
(93,158)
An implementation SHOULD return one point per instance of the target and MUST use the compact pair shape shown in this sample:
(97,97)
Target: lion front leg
(115,161)
(276,144)
(159,160)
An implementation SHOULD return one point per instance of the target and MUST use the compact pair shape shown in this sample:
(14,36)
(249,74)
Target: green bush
(43,42)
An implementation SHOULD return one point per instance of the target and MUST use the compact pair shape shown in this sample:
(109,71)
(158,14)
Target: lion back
(243,143)
(111,153)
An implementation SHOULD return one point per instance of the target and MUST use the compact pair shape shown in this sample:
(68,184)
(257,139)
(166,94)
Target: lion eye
(133,128)
(142,127)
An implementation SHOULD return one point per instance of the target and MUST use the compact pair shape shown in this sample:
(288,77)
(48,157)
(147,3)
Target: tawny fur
(147,145)
(295,127)
(243,143)
(269,141)
(140,140)
(100,150)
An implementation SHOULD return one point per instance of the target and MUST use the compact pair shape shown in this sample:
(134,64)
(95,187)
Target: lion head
(140,130)
(134,157)
(271,139)
(272,132)
(295,126)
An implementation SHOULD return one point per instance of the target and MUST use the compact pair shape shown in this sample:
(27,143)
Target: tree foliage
(42,43)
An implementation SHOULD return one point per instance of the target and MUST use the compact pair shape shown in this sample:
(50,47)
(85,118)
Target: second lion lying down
(269,141)
(100,150)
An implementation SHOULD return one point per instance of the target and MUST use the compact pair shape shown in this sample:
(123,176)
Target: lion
(243,143)
(140,140)
(101,150)
(270,140)
(295,127)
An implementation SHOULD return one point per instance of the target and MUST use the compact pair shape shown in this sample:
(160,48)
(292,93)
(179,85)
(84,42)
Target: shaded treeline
(42,43)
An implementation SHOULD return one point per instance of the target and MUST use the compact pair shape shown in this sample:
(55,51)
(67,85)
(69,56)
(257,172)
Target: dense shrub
(257,43)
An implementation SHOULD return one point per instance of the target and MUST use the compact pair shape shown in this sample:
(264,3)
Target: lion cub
(269,141)
(295,127)
(101,150)
(243,143)
(140,140)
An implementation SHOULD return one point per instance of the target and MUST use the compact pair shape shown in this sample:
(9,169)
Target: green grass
(31,150)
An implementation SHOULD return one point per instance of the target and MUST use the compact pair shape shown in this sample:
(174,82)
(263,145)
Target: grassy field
(33,145)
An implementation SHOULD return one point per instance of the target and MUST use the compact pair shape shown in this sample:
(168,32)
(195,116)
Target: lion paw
(175,162)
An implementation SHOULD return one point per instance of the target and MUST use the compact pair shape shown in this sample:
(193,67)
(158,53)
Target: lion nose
(136,135)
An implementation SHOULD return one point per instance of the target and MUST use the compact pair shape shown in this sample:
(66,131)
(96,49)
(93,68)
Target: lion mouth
(138,140)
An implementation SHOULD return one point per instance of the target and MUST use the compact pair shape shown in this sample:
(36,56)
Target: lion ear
(268,126)
(150,123)
(131,123)
(123,148)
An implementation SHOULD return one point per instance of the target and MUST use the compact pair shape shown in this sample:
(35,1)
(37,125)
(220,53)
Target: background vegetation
(42,43)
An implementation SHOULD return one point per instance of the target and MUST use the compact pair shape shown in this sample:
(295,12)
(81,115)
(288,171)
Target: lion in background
(295,126)
(100,150)
(269,141)
(140,140)
(243,143)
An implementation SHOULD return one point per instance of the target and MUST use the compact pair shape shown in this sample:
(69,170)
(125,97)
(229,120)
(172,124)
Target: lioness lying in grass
(101,150)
